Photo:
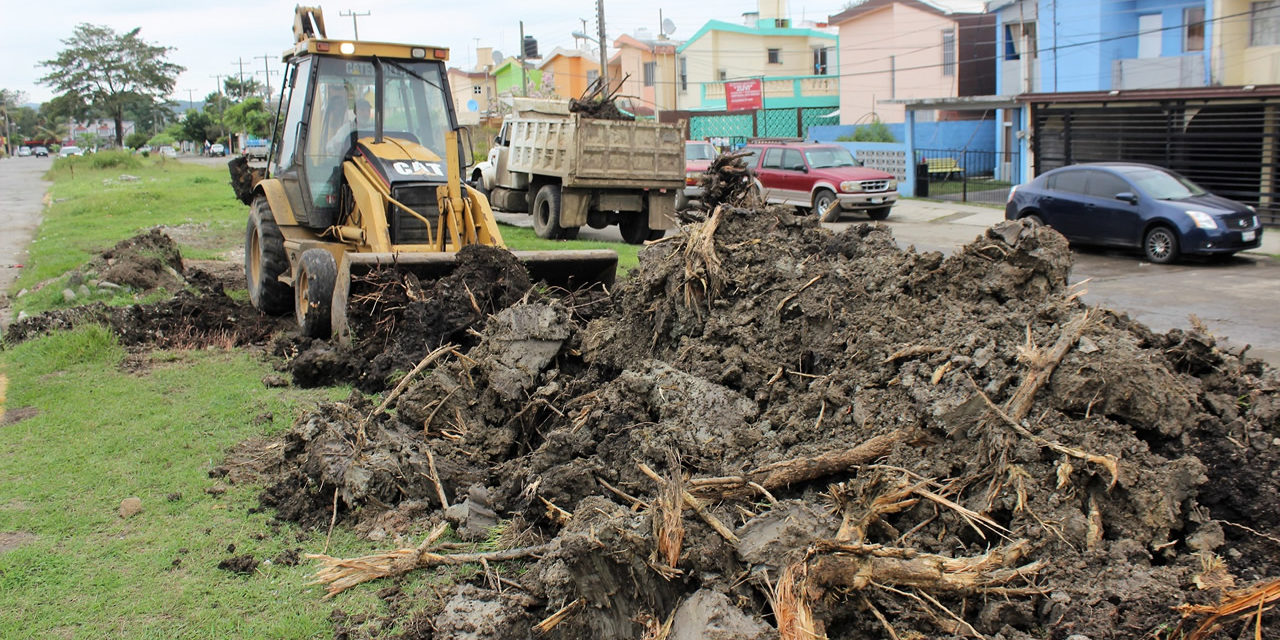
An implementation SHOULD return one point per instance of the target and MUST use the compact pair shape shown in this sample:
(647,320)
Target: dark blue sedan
(1137,206)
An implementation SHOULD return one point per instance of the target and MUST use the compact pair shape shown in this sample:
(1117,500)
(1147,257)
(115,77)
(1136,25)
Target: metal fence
(965,175)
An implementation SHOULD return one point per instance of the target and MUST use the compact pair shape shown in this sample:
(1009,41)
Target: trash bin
(922,179)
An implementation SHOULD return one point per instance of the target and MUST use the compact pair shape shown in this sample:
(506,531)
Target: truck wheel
(656,234)
(822,201)
(477,183)
(317,274)
(879,213)
(265,260)
(634,228)
(546,213)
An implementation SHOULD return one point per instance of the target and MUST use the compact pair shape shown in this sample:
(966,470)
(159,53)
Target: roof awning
(965,103)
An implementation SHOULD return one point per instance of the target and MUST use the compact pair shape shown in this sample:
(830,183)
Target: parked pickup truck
(257,149)
(568,170)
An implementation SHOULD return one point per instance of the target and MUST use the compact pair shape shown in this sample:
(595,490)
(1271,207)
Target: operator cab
(384,105)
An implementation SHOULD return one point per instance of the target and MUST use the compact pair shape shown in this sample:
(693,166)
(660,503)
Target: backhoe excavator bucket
(565,269)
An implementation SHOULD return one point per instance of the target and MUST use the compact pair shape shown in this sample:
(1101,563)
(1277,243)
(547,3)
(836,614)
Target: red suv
(697,159)
(808,175)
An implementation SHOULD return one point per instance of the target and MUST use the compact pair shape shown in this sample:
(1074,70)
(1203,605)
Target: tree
(9,101)
(198,126)
(250,116)
(110,69)
(241,90)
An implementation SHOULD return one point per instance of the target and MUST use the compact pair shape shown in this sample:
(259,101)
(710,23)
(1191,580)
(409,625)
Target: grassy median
(86,425)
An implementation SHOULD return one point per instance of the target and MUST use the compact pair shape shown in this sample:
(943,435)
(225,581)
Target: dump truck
(366,174)
(568,169)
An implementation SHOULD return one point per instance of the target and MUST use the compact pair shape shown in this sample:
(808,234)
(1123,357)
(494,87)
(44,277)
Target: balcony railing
(1157,73)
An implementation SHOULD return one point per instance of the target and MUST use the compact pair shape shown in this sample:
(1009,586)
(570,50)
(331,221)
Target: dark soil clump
(875,439)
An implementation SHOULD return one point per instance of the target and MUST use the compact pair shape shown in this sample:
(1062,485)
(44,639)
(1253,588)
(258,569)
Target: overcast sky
(209,37)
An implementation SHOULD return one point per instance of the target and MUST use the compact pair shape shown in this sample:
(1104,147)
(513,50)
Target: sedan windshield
(1162,185)
(699,151)
(825,157)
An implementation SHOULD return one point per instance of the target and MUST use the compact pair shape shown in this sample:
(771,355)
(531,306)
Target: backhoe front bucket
(566,269)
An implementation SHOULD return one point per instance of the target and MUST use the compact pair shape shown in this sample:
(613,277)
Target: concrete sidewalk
(935,211)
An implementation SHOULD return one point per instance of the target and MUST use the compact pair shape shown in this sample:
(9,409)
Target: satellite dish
(473,106)
(668,27)
(498,57)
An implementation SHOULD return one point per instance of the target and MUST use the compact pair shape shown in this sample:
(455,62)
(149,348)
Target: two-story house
(510,80)
(569,71)
(644,72)
(1245,37)
(797,65)
(896,50)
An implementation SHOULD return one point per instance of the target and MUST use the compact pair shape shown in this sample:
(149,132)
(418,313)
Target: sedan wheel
(1033,220)
(1160,245)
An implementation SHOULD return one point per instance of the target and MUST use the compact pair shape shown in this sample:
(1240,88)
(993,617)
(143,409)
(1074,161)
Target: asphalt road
(22,192)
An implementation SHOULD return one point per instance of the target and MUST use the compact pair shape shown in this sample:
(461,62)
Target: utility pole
(524,76)
(354,27)
(191,100)
(604,63)
(266,73)
(218,77)
(240,61)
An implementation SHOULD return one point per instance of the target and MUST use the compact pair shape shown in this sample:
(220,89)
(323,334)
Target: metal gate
(1228,147)
(965,175)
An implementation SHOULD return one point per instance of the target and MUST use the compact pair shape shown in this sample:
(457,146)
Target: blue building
(1059,46)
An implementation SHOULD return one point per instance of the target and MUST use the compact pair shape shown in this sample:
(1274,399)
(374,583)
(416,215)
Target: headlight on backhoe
(851,186)
(1203,220)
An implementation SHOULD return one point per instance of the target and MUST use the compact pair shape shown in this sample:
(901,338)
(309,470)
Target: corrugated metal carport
(1225,139)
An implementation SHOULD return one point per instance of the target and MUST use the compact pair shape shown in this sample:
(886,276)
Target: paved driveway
(22,192)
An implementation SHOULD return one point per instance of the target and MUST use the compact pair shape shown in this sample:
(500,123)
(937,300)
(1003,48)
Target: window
(1193,29)
(1069,181)
(724,75)
(475,88)
(592,75)
(1264,23)
(1013,33)
(819,61)
(772,159)
(1105,185)
(684,74)
(948,52)
(792,160)
(650,71)
(775,56)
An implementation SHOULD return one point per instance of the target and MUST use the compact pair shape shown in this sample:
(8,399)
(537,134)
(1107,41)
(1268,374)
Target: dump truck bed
(586,152)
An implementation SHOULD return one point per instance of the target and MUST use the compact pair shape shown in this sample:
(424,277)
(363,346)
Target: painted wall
(567,75)
(1009,71)
(1081,41)
(743,53)
(974,135)
(913,38)
(507,80)
(1236,61)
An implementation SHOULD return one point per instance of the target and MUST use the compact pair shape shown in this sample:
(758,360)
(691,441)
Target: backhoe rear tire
(546,213)
(265,261)
(313,300)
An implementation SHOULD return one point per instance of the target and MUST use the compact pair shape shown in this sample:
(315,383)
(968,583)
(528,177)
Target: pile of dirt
(779,430)
(200,312)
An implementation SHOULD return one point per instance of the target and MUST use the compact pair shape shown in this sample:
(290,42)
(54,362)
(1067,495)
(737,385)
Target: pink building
(892,50)
(649,66)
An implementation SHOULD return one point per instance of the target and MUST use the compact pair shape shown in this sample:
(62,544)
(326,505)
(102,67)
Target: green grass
(524,239)
(103,434)
(99,429)
(92,209)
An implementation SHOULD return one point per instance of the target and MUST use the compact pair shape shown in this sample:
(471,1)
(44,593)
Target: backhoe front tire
(313,298)
(546,213)
(265,261)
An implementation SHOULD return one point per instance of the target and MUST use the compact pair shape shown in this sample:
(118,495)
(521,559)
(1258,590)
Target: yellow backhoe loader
(365,173)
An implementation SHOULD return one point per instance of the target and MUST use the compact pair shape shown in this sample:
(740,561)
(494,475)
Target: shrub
(112,160)
(877,131)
